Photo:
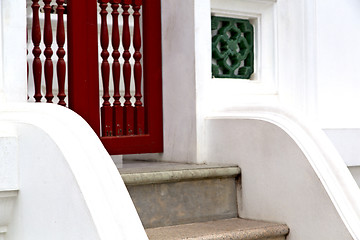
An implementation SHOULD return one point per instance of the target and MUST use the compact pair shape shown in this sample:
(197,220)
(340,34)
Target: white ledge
(8,193)
(7,202)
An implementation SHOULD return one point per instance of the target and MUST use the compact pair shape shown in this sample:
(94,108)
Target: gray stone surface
(228,229)
(185,202)
(136,166)
(168,194)
(143,172)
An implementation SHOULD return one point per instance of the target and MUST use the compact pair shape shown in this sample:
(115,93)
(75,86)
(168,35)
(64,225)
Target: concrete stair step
(197,202)
(228,229)
(167,194)
(145,172)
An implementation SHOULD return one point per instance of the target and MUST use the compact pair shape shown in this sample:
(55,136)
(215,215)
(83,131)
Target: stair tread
(143,172)
(228,229)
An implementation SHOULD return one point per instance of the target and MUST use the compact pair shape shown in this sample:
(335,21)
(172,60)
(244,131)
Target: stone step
(166,194)
(228,229)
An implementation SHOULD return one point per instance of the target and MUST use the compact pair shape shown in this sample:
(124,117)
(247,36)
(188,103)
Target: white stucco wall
(275,166)
(338,75)
(180,92)
(347,141)
(179,86)
(12,84)
(297,49)
(290,172)
(338,71)
(291,42)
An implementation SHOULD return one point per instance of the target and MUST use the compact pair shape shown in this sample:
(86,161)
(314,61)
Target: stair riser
(167,204)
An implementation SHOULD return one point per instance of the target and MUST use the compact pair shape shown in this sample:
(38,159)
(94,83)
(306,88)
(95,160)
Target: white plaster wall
(338,74)
(284,179)
(202,46)
(297,55)
(179,85)
(347,142)
(13,76)
(307,79)
(284,62)
(338,71)
(315,61)
(179,94)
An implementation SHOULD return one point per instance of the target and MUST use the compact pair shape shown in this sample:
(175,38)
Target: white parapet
(69,187)
(291,172)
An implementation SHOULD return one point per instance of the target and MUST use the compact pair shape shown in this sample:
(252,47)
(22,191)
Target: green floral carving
(232,48)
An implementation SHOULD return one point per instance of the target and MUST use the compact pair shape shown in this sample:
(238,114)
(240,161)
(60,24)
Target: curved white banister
(319,151)
(86,163)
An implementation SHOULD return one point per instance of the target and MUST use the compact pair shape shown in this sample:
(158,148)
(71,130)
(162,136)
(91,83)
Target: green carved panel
(232,48)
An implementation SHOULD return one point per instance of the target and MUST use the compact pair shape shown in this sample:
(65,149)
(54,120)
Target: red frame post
(152,140)
(152,59)
(83,72)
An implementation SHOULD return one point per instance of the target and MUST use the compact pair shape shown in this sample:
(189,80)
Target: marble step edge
(228,229)
(166,176)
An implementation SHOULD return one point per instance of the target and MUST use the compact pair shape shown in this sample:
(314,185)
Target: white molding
(7,203)
(310,58)
(9,170)
(8,193)
(320,153)
(202,52)
(298,82)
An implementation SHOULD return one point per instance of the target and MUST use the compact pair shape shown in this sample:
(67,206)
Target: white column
(12,89)
(202,46)
(12,51)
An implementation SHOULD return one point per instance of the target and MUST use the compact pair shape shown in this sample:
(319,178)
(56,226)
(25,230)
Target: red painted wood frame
(84,75)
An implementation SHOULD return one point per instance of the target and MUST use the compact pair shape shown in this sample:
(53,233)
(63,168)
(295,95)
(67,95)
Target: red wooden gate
(124,128)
